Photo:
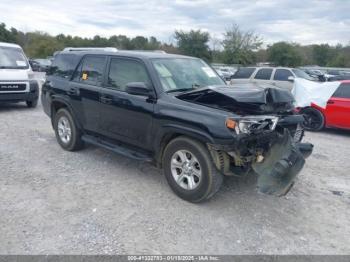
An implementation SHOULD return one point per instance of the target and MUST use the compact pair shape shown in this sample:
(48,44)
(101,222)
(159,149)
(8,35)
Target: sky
(305,22)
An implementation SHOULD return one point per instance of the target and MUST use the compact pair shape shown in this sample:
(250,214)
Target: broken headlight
(252,124)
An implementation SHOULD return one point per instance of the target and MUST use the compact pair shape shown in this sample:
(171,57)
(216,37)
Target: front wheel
(189,170)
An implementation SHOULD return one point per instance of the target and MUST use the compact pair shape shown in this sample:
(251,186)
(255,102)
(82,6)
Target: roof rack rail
(147,51)
(106,49)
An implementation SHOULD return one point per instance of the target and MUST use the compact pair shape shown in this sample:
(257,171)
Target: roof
(129,53)
(10,45)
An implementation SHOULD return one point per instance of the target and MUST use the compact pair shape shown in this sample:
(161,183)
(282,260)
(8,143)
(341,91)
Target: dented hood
(242,99)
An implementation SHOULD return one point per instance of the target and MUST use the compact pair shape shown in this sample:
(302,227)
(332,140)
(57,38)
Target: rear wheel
(67,133)
(314,119)
(189,170)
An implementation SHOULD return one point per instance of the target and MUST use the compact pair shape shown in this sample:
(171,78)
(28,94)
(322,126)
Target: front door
(280,78)
(338,108)
(126,117)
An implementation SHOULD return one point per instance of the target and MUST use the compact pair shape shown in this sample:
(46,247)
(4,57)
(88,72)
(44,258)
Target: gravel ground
(97,202)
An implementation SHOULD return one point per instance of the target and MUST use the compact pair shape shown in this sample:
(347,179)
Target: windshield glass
(12,58)
(301,74)
(182,74)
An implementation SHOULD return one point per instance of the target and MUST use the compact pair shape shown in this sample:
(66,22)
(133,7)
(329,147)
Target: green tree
(284,54)
(239,45)
(6,35)
(193,43)
(322,54)
(41,45)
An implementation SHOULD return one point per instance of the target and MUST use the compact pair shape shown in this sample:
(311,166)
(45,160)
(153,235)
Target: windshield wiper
(179,90)
(194,86)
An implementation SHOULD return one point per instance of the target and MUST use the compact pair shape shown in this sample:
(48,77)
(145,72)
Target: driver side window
(123,71)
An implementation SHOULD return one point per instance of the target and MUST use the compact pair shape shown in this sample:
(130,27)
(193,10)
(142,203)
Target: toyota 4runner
(176,112)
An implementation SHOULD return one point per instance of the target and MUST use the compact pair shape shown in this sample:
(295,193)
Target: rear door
(338,108)
(280,78)
(84,90)
(242,75)
(126,117)
(262,76)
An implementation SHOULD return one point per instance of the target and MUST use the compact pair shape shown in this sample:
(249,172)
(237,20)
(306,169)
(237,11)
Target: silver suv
(282,77)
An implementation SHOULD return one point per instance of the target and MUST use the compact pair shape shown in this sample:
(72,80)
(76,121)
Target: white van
(17,83)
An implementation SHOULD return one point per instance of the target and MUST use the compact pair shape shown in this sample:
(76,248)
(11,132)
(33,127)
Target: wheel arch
(171,132)
(59,103)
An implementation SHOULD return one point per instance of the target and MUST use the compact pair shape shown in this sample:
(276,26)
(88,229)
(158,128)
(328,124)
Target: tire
(314,119)
(32,103)
(68,140)
(190,187)
(298,134)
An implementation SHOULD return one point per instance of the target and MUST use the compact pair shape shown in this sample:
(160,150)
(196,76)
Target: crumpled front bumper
(281,164)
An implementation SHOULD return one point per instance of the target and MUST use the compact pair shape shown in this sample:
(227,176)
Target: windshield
(12,58)
(301,74)
(182,74)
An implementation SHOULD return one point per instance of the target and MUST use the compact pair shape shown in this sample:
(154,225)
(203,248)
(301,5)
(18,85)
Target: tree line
(236,47)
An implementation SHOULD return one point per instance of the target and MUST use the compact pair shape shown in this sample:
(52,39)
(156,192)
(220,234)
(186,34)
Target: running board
(116,148)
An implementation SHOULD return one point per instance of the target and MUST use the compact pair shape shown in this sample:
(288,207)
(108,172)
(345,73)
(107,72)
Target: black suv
(176,112)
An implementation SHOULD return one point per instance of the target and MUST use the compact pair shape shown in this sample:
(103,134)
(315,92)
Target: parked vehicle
(281,77)
(176,112)
(335,115)
(317,74)
(40,65)
(225,73)
(16,77)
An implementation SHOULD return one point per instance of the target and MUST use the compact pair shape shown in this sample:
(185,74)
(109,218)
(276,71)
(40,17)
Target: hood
(242,100)
(14,74)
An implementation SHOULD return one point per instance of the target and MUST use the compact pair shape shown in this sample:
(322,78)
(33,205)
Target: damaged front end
(264,131)
(268,149)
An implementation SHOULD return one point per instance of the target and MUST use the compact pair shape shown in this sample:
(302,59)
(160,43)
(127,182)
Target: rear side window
(91,70)
(282,74)
(124,71)
(64,65)
(264,74)
(243,72)
(343,91)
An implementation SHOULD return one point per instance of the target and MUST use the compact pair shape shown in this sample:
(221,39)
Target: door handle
(330,102)
(106,99)
(73,91)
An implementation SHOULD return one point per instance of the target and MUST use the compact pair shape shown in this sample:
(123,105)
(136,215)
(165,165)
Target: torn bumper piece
(281,164)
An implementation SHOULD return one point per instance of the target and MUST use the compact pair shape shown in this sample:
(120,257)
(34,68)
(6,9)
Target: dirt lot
(94,202)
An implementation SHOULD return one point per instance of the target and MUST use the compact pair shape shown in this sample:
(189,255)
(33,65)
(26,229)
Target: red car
(335,115)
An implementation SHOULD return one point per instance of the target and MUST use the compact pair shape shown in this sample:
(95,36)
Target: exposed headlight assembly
(252,124)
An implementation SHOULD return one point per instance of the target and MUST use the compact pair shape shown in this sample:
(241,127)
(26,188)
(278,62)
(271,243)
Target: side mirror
(291,78)
(138,89)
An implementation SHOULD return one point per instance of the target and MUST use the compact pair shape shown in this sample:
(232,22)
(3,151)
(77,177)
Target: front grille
(12,87)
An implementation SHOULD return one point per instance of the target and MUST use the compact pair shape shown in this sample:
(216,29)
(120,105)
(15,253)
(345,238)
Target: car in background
(39,64)
(225,72)
(17,81)
(281,77)
(315,73)
(335,115)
